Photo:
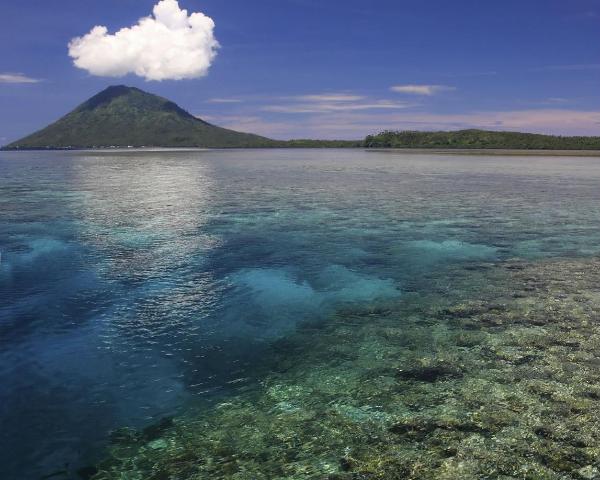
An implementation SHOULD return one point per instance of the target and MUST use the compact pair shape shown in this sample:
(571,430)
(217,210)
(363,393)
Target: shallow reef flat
(495,376)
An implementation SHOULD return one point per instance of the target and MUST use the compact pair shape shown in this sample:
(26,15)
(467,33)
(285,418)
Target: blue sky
(330,69)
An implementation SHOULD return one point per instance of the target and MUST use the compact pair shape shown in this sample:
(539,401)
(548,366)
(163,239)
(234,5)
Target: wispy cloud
(224,100)
(483,73)
(17,78)
(332,102)
(584,15)
(253,124)
(552,121)
(554,101)
(428,90)
(358,124)
(335,107)
(330,97)
(572,67)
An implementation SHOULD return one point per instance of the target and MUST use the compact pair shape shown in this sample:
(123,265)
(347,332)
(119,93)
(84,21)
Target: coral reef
(496,377)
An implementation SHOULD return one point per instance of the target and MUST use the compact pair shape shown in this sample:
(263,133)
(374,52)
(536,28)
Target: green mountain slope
(122,116)
(479,139)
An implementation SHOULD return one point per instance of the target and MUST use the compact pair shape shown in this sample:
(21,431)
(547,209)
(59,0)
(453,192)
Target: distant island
(122,117)
(479,139)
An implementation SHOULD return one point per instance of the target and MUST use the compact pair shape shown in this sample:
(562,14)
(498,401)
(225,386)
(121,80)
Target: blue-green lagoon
(299,314)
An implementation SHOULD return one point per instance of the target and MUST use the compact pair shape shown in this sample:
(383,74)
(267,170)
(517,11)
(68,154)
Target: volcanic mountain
(122,116)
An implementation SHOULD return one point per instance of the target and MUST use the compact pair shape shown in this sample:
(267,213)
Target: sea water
(136,285)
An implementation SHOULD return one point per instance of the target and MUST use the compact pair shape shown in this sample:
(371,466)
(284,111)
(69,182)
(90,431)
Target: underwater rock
(347,463)
(361,414)
(589,472)
(419,428)
(464,310)
(156,430)
(429,374)
(412,428)
(86,473)
(346,476)
(123,435)
(594,395)
(57,474)
(158,444)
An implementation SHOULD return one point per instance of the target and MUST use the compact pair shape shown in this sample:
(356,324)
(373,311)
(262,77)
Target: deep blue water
(135,285)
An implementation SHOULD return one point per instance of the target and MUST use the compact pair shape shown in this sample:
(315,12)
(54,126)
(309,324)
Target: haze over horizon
(302,68)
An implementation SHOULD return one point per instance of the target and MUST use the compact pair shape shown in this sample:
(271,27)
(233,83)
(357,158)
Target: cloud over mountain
(170,44)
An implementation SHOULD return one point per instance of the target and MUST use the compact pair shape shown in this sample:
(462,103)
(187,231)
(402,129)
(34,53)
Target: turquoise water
(139,285)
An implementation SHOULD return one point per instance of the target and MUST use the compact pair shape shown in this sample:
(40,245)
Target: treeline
(308,143)
(479,139)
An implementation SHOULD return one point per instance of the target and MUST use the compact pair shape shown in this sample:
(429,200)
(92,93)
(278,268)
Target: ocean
(296,313)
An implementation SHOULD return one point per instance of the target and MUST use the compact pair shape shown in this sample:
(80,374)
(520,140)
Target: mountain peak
(131,94)
(121,116)
(118,90)
(121,89)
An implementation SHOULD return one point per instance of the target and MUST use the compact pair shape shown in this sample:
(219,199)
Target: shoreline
(489,151)
(436,151)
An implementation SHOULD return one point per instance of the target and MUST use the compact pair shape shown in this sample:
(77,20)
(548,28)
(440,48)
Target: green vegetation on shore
(479,139)
(308,143)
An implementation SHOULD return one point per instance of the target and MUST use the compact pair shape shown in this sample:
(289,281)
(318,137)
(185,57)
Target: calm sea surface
(140,285)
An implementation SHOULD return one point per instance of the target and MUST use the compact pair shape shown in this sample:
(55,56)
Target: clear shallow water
(137,285)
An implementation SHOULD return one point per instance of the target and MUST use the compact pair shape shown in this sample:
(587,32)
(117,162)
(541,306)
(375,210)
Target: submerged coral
(496,377)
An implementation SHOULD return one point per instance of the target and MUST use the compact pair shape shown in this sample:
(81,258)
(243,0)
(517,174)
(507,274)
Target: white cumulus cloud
(421,89)
(170,44)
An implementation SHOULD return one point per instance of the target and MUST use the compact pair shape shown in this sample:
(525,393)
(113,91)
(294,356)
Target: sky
(311,68)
